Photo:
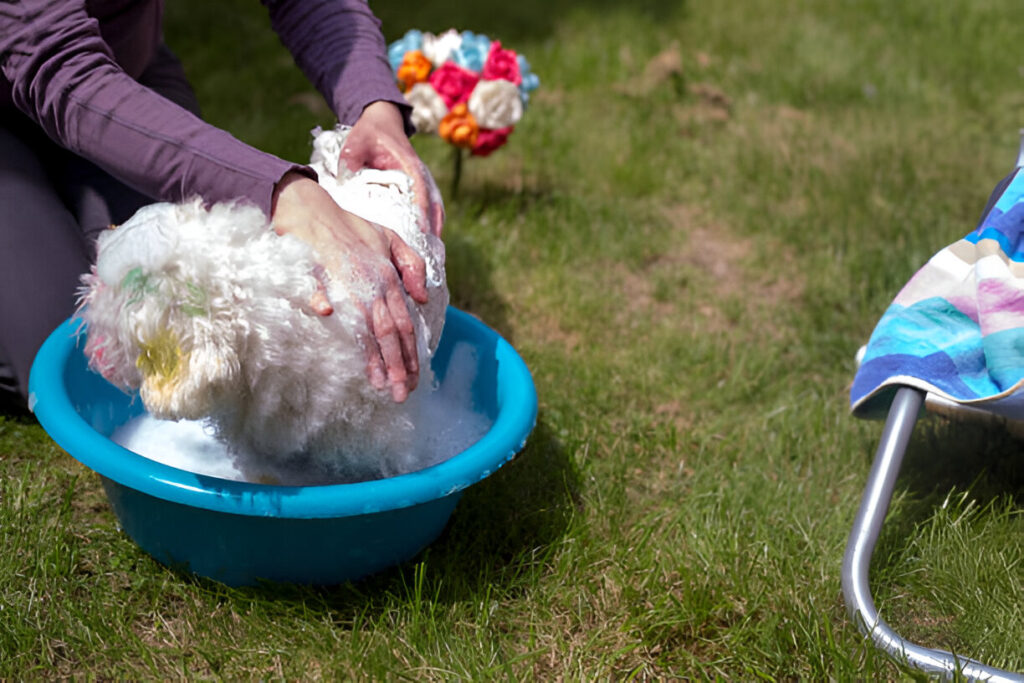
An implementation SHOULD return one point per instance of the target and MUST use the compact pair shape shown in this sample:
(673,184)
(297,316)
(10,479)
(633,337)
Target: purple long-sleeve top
(71,65)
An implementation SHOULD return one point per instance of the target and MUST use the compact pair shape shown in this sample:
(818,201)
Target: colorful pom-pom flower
(464,86)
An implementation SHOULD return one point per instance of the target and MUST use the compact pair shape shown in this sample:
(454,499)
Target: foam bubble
(436,423)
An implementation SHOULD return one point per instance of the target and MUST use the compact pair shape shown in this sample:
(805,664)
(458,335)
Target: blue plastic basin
(240,533)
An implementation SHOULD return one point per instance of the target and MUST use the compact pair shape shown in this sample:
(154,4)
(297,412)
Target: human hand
(377,140)
(346,245)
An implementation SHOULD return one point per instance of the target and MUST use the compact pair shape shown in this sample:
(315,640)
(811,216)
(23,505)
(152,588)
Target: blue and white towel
(956,329)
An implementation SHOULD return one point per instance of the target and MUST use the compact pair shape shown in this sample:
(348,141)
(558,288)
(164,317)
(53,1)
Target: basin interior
(240,532)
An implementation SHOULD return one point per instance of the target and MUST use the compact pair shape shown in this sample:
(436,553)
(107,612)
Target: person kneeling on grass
(97,119)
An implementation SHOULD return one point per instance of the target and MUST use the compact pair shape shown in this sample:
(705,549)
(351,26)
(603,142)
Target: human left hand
(379,267)
(377,140)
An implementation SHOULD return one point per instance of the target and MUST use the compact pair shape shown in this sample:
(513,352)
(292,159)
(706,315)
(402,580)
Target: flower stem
(457,170)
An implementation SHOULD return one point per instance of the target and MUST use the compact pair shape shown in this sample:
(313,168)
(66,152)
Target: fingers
(374,362)
(406,335)
(422,197)
(431,210)
(370,146)
(393,330)
(425,192)
(428,198)
(319,302)
(410,266)
(392,357)
(365,148)
(437,218)
(353,154)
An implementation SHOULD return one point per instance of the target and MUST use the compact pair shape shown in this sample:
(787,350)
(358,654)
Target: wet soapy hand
(377,140)
(355,250)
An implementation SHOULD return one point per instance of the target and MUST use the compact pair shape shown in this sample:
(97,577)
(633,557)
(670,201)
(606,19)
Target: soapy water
(434,424)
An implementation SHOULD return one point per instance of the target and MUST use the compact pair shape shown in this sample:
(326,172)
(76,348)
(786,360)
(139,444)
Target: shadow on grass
(500,536)
(506,21)
(504,528)
(946,456)
(474,199)
(502,531)
(509,522)
(945,459)
(468,267)
(12,407)
(471,284)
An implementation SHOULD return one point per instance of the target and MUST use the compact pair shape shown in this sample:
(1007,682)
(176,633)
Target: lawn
(700,218)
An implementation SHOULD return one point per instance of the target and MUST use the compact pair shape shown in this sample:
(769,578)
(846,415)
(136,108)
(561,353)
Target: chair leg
(866,528)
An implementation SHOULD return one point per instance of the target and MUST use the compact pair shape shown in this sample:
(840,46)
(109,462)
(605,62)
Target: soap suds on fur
(441,422)
(204,310)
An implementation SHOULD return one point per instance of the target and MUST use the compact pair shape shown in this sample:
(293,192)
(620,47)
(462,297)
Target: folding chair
(916,382)
(903,415)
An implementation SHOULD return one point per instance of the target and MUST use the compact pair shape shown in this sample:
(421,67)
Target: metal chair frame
(903,415)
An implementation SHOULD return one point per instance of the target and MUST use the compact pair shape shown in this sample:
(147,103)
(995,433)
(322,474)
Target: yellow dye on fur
(162,361)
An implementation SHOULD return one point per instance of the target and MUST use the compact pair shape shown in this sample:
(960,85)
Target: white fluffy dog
(206,313)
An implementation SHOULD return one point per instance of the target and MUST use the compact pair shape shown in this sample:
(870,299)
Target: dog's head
(155,320)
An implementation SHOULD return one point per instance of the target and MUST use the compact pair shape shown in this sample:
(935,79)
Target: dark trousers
(53,205)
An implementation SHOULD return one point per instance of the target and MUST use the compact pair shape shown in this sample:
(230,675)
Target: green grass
(687,264)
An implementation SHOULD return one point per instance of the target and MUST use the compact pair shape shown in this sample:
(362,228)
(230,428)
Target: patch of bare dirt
(549,97)
(694,117)
(665,69)
(674,413)
(591,639)
(711,95)
(797,139)
(707,264)
(548,329)
(662,68)
(89,502)
(699,104)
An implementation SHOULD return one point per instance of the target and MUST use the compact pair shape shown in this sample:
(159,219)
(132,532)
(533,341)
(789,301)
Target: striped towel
(956,329)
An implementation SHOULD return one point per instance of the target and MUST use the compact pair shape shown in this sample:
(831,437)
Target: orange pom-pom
(459,127)
(415,68)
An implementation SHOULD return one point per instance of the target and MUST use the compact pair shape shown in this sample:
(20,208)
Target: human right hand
(377,140)
(351,248)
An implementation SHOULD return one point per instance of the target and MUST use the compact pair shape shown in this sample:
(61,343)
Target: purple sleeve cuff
(339,46)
